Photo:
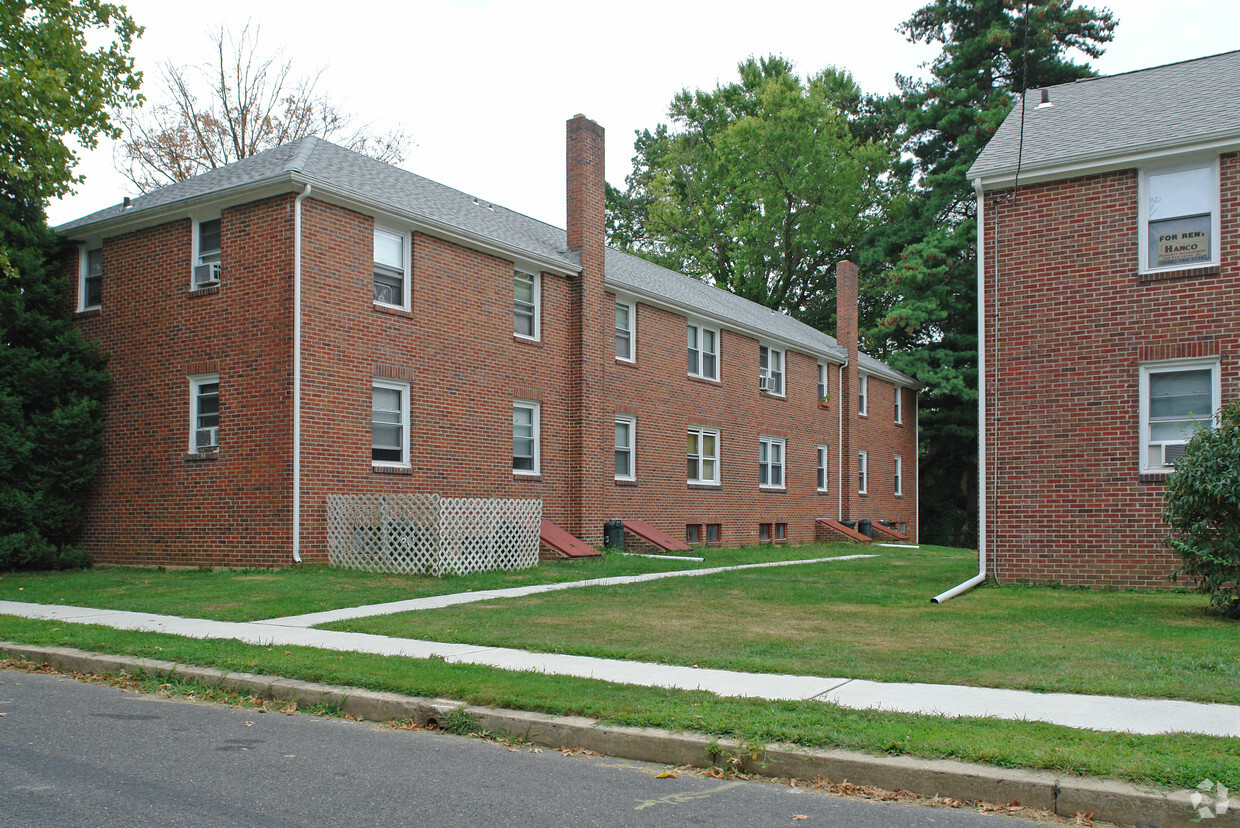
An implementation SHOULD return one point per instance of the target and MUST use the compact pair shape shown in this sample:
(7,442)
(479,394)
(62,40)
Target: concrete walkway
(1091,712)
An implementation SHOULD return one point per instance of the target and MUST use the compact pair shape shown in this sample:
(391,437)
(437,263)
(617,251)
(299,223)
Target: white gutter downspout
(981,402)
(297,375)
(839,449)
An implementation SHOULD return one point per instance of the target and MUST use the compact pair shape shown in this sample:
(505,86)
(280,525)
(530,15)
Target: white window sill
(703,378)
(772,488)
(704,484)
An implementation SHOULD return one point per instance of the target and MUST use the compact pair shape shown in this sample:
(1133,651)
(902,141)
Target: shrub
(1201,503)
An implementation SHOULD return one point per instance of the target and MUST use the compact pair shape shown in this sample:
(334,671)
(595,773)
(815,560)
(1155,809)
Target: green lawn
(251,595)
(863,618)
(870,619)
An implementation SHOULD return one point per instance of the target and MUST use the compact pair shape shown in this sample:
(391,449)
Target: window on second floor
(90,290)
(391,278)
(626,438)
(703,352)
(703,456)
(1180,217)
(771,370)
(899,404)
(771,462)
(204,413)
(207,253)
(525,305)
(823,387)
(626,344)
(863,394)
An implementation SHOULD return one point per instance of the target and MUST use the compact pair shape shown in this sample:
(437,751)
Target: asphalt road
(74,754)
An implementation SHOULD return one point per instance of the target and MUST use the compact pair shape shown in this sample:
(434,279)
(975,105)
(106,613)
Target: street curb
(1101,799)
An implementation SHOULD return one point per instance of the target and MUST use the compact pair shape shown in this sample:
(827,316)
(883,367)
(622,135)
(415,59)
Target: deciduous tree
(239,104)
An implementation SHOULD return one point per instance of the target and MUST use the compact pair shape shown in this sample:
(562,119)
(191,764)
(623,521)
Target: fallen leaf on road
(249,724)
(667,774)
(799,816)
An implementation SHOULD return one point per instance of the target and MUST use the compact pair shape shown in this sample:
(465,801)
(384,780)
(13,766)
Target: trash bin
(613,534)
(864,527)
(851,524)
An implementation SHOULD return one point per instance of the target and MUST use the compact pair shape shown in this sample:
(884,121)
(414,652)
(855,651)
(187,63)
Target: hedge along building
(1110,240)
(310,321)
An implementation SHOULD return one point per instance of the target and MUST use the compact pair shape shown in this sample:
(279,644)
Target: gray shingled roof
(1167,106)
(374,182)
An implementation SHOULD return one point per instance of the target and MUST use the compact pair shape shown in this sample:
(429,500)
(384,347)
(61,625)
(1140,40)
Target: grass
(865,618)
(252,595)
(1178,760)
(870,619)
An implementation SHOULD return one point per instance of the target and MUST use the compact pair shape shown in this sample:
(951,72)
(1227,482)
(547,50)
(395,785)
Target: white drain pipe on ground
(981,405)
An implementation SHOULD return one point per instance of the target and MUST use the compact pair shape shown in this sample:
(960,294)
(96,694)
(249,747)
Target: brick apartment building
(310,321)
(1111,295)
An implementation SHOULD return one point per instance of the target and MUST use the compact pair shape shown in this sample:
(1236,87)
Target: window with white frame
(863,393)
(822,468)
(1180,216)
(703,352)
(626,344)
(823,387)
(899,404)
(389,423)
(526,288)
(1178,398)
(898,475)
(204,413)
(525,437)
(391,277)
(863,471)
(626,438)
(703,455)
(771,462)
(771,370)
(207,253)
(90,288)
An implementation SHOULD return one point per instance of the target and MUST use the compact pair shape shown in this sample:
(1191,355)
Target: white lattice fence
(426,533)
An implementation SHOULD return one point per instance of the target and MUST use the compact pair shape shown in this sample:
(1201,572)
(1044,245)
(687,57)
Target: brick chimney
(846,326)
(591,333)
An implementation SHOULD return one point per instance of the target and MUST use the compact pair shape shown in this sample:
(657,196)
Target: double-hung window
(389,424)
(1179,217)
(822,468)
(703,455)
(899,404)
(207,254)
(823,387)
(391,281)
(703,352)
(771,462)
(863,394)
(204,413)
(525,437)
(1178,398)
(863,471)
(899,475)
(90,291)
(771,370)
(525,304)
(626,438)
(626,345)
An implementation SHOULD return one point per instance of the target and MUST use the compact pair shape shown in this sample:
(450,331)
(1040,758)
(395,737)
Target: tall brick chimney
(846,326)
(590,426)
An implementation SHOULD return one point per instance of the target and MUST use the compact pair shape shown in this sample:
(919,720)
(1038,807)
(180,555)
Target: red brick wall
(152,503)
(1068,320)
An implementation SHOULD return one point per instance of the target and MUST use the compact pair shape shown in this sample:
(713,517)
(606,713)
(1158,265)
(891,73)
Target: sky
(483,87)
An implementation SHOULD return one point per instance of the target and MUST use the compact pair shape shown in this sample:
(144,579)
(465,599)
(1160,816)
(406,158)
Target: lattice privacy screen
(433,535)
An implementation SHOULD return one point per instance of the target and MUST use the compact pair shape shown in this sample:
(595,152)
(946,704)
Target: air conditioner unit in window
(206,438)
(206,275)
(1173,452)
(766,383)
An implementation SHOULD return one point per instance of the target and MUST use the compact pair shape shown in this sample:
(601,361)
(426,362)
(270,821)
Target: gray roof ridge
(301,157)
(1143,69)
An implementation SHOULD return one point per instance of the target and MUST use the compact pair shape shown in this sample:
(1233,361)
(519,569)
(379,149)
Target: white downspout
(981,402)
(839,447)
(297,374)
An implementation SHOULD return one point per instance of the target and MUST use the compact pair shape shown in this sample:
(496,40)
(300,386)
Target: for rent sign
(1179,241)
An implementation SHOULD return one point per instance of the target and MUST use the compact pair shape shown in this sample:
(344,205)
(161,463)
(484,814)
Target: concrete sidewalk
(1089,712)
